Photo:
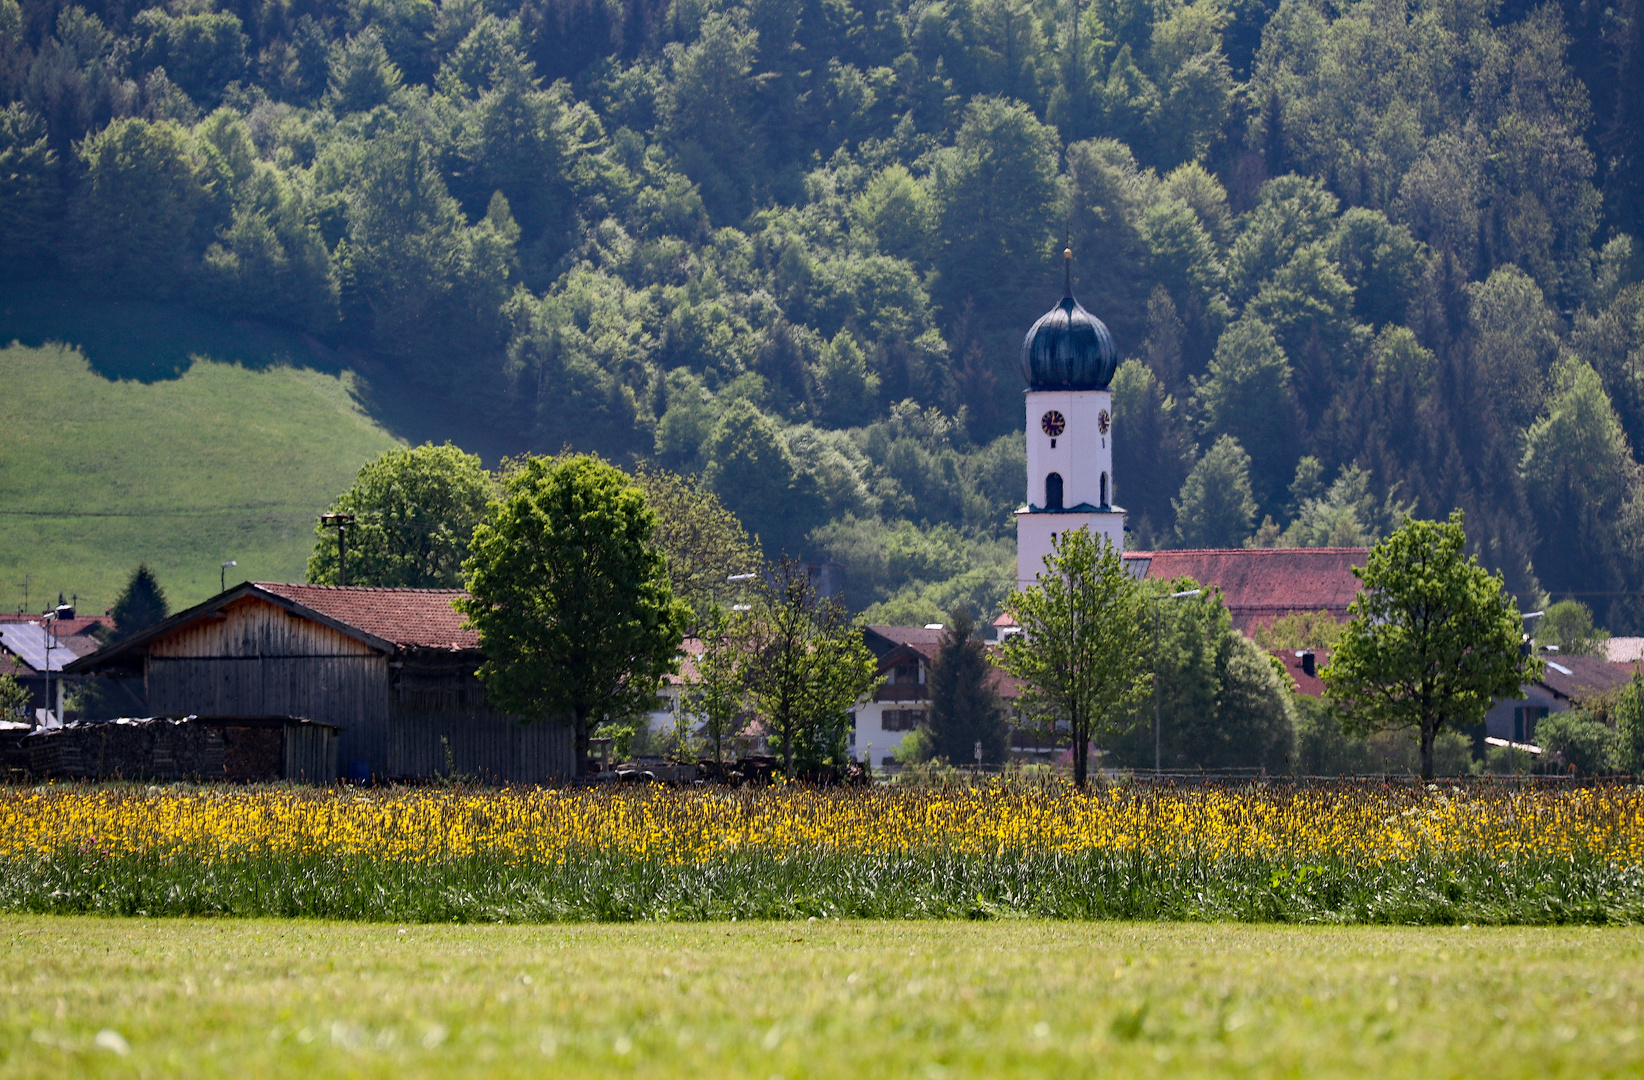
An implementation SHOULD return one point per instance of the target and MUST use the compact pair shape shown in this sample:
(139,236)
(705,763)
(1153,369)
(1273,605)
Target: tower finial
(1067,269)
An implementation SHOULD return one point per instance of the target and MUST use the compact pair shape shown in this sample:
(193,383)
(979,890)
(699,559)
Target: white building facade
(1068,360)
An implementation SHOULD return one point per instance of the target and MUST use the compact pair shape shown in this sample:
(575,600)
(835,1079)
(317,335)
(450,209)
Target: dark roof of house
(1261,584)
(882,639)
(1576,677)
(385,619)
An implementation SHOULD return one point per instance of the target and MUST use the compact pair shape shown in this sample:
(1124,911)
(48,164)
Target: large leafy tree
(807,666)
(570,596)
(1432,639)
(414,512)
(140,210)
(704,542)
(1083,651)
(1221,702)
(965,708)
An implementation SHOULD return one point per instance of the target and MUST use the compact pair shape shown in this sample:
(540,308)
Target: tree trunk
(1081,759)
(579,737)
(1428,732)
(787,751)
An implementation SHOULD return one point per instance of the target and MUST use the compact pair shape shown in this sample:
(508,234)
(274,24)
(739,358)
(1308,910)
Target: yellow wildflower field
(1359,824)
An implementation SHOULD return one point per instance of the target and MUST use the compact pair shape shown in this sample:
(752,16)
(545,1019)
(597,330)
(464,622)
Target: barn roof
(1260,584)
(385,619)
(412,618)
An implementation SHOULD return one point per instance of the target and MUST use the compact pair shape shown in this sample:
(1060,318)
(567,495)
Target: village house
(34,650)
(1566,681)
(393,670)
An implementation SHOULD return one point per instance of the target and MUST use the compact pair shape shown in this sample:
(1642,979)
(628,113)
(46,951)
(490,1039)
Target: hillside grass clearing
(221,462)
(245,999)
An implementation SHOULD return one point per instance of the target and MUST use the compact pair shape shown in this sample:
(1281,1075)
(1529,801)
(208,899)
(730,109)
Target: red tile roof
(1261,584)
(419,618)
(80,624)
(1310,685)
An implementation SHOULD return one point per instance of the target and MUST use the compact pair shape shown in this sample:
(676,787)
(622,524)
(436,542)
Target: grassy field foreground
(98,997)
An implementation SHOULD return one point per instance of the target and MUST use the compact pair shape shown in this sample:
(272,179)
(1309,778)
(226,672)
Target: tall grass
(1343,853)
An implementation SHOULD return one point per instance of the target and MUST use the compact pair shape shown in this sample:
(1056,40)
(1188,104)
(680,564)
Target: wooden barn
(392,669)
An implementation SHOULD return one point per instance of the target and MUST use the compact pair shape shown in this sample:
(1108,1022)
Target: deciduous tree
(570,596)
(1431,640)
(415,511)
(704,542)
(807,666)
(1083,651)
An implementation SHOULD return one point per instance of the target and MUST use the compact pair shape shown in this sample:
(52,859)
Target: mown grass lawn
(84,996)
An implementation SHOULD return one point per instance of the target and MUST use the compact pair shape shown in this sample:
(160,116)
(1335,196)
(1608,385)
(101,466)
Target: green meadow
(185,467)
(245,999)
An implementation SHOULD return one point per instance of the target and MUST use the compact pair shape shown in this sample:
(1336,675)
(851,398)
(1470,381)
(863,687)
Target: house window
(900,719)
(1524,721)
(1104,489)
(905,675)
(1053,491)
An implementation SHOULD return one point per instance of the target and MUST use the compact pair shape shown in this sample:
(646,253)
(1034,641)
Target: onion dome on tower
(1069,348)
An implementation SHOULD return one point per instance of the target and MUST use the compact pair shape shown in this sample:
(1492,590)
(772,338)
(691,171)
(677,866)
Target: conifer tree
(141,604)
(965,707)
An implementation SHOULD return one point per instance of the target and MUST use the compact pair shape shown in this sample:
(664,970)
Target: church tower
(1068,359)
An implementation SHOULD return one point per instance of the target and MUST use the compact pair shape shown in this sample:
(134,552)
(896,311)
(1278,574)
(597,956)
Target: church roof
(1262,584)
(1069,349)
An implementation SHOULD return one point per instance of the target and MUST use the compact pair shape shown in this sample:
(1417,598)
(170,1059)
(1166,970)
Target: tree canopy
(966,712)
(794,252)
(570,596)
(141,604)
(414,512)
(1431,639)
(1082,653)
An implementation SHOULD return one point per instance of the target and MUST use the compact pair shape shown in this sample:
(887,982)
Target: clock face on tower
(1103,422)
(1054,423)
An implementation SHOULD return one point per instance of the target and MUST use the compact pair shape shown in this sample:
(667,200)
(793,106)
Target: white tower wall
(1081,455)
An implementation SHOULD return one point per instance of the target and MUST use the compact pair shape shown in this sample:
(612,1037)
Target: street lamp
(340,522)
(1173,596)
(222,575)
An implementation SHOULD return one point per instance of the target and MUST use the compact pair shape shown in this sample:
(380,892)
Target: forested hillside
(1361,257)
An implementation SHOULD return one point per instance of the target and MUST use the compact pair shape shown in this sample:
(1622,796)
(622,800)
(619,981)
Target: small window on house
(1104,489)
(1524,721)
(1053,491)
(900,719)
(905,674)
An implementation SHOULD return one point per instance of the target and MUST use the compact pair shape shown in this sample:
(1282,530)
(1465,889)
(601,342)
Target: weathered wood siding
(406,716)
(258,660)
(310,753)
(443,723)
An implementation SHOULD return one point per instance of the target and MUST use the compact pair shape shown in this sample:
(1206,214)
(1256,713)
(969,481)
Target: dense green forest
(1361,258)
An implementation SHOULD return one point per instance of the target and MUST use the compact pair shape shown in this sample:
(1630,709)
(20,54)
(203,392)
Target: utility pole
(340,522)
